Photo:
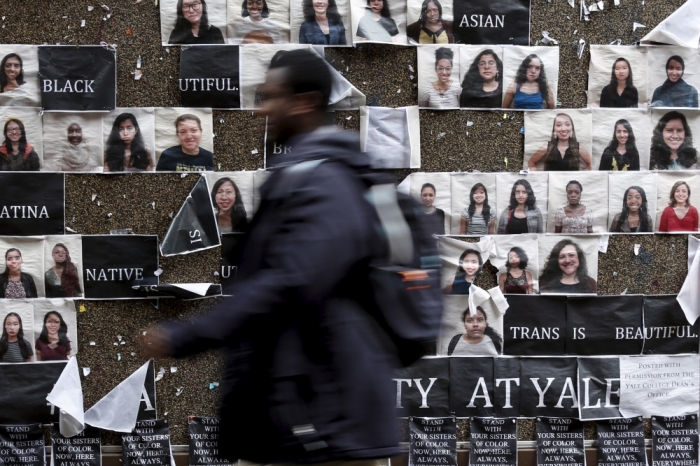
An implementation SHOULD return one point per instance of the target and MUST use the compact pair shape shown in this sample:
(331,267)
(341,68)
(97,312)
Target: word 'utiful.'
(79,85)
(221,84)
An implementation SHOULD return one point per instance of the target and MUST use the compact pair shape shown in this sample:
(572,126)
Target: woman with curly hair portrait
(516,280)
(672,144)
(634,217)
(431,28)
(62,280)
(482,86)
(679,215)
(445,91)
(562,152)
(521,215)
(228,204)
(479,339)
(192,25)
(126,150)
(621,153)
(322,24)
(529,90)
(565,270)
(620,93)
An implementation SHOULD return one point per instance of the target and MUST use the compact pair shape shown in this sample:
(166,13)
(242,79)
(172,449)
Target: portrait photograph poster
(515,61)
(664,208)
(602,76)
(618,186)
(268,23)
(30,118)
(472,76)
(73,142)
(44,192)
(453,325)
(415,12)
(28,93)
(528,247)
(505,185)
(305,30)
(692,118)
(25,310)
(541,140)
(451,251)
(391,136)
(587,244)
(209,76)
(379,21)
(31,251)
(462,185)
(678,87)
(115,132)
(44,309)
(442,200)
(594,196)
(431,59)
(245,183)
(635,125)
(166,131)
(173,33)
(72,246)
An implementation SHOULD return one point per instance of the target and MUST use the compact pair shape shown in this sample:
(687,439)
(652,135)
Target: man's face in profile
(278,105)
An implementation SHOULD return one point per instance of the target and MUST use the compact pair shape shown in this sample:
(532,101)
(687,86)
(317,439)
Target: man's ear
(306,103)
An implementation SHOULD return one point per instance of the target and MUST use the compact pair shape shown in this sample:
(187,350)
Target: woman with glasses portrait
(482,86)
(188,156)
(16,154)
(126,150)
(192,25)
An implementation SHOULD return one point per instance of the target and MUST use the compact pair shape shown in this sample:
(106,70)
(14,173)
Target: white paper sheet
(67,395)
(681,28)
(689,296)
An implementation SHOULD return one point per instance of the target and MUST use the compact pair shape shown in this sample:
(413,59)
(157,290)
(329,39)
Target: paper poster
(78,78)
(184,139)
(422,389)
(257,22)
(148,406)
(204,441)
(465,334)
(506,372)
(632,202)
(599,388)
(194,227)
(621,139)
(22,445)
(674,440)
(73,142)
(232,197)
(548,387)
(494,441)
(494,22)
(430,22)
(528,196)
(666,329)
(380,21)
(232,245)
(568,265)
(462,263)
(471,387)
(481,75)
(83,449)
(63,266)
(675,204)
(438,77)
(22,129)
(24,259)
(679,28)
(673,76)
(255,62)
(433,191)
(432,440)
(578,203)
(183,291)
(209,76)
(129,140)
(559,140)
(516,257)
(535,326)
(530,77)
(184,22)
(305,29)
(474,203)
(259,178)
(114,264)
(621,441)
(560,441)
(617,76)
(149,443)
(23,390)
(672,146)
(391,136)
(19,76)
(55,329)
(32,203)
(653,384)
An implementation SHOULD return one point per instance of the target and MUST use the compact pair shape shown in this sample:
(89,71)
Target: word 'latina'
(206,84)
(79,85)
(100,275)
(482,21)
(24,211)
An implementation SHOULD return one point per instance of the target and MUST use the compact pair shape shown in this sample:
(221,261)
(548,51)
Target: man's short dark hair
(305,72)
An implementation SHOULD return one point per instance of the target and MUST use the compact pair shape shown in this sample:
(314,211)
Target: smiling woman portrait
(16,154)
(562,152)
(192,25)
(322,24)
(679,215)
(565,270)
(188,156)
(445,91)
(675,92)
(634,217)
(672,144)
(255,24)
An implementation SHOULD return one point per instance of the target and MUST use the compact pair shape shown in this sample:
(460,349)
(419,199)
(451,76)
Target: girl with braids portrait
(565,270)
(13,346)
(529,90)
(563,151)
(62,280)
(479,339)
(482,86)
(672,144)
(126,150)
(634,217)
(53,343)
(192,25)
(478,218)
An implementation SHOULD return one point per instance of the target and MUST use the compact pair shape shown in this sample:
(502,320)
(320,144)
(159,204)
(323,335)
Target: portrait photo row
(344,22)
(570,203)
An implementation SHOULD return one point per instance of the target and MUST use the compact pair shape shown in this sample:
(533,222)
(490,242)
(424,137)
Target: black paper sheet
(81,450)
(422,389)
(204,442)
(22,445)
(599,388)
(560,441)
(231,251)
(432,441)
(535,326)
(78,78)
(471,386)
(666,327)
(548,387)
(148,444)
(209,76)
(494,441)
(23,391)
(492,22)
(674,440)
(506,372)
(114,264)
(621,441)
(148,409)
(32,204)
(177,291)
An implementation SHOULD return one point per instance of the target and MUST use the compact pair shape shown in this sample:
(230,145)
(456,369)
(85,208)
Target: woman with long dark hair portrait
(126,150)
(672,144)
(228,204)
(521,215)
(482,86)
(15,284)
(574,217)
(621,153)
(13,346)
(675,92)
(679,215)
(478,218)
(322,24)
(468,267)
(445,91)
(529,90)
(516,280)
(562,152)
(192,25)
(53,343)
(431,28)
(480,339)
(376,24)
(16,154)
(565,270)
(435,216)
(621,92)
(62,280)
(255,21)
(634,217)
(11,72)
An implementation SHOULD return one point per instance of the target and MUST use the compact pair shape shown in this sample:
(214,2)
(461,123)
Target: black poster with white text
(548,387)
(209,76)
(22,445)
(23,390)
(471,386)
(422,389)
(621,441)
(494,441)
(506,374)
(83,449)
(674,440)
(432,441)
(148,407)
(231,251)
(32,204)
(599,388)
(204,442)
(78,78)
(560,441)
(492,22)
(148,444)
(535,326)
(666,328)
(114,264)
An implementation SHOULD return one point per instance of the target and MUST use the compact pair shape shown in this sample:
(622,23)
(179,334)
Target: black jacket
(27,283)
(299,350)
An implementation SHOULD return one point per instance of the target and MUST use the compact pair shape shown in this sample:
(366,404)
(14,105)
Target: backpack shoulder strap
(453,344)
(398,233)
